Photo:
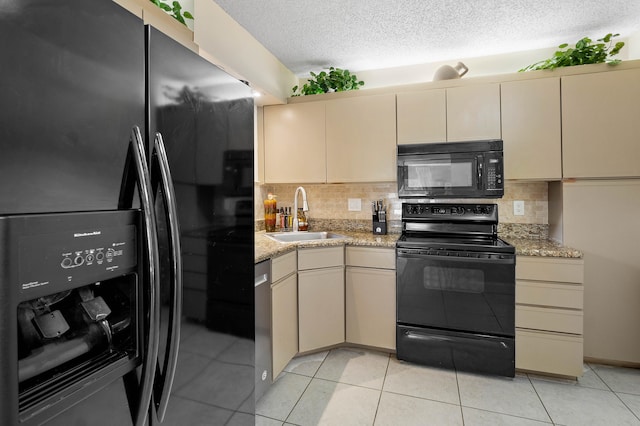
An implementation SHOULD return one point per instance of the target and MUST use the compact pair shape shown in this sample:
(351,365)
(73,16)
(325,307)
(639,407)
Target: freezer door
(75,88)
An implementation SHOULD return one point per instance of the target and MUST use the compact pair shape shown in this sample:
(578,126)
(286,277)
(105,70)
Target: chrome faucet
(305,206)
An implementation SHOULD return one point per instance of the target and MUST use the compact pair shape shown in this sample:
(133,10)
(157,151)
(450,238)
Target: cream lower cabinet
(320,297)
(284,311)
(370,293)
(549,316)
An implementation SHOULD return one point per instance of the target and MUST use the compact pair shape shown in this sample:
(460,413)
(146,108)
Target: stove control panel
(470,211)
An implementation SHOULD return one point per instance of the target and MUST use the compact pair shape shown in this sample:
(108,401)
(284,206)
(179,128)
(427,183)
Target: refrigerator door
(205,117)
(74,74)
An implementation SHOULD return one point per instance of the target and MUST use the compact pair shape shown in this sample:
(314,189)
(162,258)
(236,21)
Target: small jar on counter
(270,213)
(303,223)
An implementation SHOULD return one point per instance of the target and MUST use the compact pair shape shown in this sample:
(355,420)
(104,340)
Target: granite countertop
(542,247)
(266,248)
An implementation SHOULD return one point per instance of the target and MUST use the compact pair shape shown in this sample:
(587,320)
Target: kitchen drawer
(558,295)
(367,257)
(549,319)
(282,266)
(325,257)
(550,269)
(549,353)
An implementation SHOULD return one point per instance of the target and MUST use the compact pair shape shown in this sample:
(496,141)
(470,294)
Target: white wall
(480,66)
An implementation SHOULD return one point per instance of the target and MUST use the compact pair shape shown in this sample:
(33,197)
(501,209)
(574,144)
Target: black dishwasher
(263,328)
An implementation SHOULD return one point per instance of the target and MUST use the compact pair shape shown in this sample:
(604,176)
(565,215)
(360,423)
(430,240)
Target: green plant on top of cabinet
(531,129)
(601,124)
(361,139)
(422,116)
(294,143)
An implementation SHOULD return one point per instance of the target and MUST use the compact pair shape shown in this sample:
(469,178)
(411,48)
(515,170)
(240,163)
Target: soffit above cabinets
(362,35)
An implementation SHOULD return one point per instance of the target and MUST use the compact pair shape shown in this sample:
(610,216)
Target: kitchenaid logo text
(86,234)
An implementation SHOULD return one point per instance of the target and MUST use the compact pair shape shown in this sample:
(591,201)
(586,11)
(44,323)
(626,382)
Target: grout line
(459,397)
(306,387)
(384,379)
(541,402)
(614,392)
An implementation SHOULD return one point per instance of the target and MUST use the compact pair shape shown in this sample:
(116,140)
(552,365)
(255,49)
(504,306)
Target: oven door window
(476,295)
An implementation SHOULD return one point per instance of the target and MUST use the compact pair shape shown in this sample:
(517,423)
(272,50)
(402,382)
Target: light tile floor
(353,386)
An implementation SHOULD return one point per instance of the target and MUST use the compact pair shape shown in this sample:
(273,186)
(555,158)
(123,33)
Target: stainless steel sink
(291,237)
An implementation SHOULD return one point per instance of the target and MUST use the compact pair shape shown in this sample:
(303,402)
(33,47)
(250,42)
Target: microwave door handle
(163,383)
(479,171)
(144,386)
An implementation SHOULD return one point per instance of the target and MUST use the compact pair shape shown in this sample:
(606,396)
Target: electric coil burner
(455,289)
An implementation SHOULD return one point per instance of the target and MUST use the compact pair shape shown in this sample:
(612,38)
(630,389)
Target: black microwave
(451,170)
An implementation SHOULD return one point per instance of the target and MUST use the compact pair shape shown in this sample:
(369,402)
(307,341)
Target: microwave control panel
(493,171)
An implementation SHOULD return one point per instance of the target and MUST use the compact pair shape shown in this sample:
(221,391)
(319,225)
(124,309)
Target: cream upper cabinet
(422,116)
(531,129)
(361,139)
(601,124)
(294,143)
(473,112)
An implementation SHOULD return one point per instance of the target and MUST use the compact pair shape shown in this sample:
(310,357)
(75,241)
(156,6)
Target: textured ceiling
(308,35)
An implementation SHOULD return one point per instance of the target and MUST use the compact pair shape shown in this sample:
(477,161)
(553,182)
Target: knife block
(379,228)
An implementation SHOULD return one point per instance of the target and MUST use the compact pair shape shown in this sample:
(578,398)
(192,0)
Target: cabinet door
(284,323)
(422,116)
(321,308)
(361,139)
(371,307)
(611,268)
(473,113)
(531,129)
(294,143)
(601,124)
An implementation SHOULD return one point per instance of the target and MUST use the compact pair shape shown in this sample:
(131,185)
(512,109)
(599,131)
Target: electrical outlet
(518,208)
(355,204)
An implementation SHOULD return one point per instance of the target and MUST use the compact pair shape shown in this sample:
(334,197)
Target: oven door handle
(504,259)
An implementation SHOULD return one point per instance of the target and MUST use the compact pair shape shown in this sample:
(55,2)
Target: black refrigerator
(94,224)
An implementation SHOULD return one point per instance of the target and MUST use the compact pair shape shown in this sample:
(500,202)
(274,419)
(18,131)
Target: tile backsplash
(330,201)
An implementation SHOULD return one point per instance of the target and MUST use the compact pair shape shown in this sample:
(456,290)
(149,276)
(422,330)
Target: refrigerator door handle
(163,382)
(151,326)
